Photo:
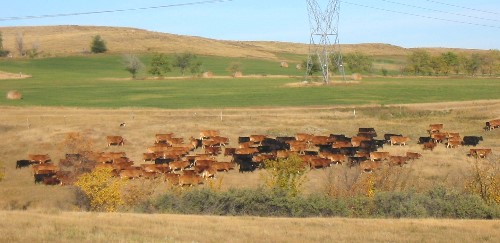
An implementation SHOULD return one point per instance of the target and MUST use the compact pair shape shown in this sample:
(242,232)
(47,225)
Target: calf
(428,146)
(413,155)
(493,124)
(23,163)
(115,140)
(397,160)
(378,156)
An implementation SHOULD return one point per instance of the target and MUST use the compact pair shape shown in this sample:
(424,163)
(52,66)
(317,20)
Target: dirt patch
(315,84)
(6,75)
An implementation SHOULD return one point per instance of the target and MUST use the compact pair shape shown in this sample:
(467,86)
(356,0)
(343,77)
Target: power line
(440,11)
(422,16)
(456,6)
(112,11)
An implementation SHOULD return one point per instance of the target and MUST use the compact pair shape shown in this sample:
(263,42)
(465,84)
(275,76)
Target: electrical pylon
(322,51)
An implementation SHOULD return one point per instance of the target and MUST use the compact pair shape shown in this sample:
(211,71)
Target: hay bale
(14,95)
(298,66)
(207,74)
(357,76)
(284,64)
(238,74)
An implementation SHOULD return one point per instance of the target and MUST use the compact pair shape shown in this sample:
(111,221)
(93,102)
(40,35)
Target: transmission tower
(324,28)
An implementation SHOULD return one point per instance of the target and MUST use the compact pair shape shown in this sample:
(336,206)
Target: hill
(74,40)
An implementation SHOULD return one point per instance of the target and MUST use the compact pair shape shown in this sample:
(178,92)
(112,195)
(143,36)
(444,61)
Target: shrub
(101,189)
(285,174)
(98,45)
(483,180)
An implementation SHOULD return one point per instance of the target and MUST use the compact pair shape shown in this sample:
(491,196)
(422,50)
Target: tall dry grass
(33,226)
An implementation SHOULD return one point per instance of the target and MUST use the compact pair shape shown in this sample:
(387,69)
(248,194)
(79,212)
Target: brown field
(20,226)
(74,39)
(28,130)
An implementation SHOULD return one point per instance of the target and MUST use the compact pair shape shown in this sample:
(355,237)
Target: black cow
(276,144)
(368,145)
(422,140)
(472,140)
(243,139)
(23,163)
(39,177)
(163,161)
(285,139)
(247,166)
(367,130)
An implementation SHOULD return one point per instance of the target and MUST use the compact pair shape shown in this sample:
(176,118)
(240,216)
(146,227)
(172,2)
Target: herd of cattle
(190,162)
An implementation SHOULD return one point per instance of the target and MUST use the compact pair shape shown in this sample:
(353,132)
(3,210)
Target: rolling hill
(73,40)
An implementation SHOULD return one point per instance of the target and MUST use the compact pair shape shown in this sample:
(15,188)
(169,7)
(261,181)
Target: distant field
(101,81)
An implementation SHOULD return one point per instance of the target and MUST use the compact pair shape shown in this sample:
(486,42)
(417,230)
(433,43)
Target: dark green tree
(451,62)
(160,65)
(314,65)
(98,45)
(185,61)
(419,62)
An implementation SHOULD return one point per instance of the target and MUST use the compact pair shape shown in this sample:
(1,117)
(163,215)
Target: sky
(406,23)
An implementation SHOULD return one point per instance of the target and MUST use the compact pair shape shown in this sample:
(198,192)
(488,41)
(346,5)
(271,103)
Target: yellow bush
(102,189)
(484,180)
(286,174)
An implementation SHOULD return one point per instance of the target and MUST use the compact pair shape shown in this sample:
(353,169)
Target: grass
(19,226)
(101,81)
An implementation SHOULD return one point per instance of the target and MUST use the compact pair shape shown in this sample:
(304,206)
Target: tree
(98,45)
(185,61)
(438,65)
(419,62)
(314,65)
(287,174)
(358,62)
(160,65)
(472,64)
(133,65)
(3,53)
(20,43)
(451,62)
(234,67)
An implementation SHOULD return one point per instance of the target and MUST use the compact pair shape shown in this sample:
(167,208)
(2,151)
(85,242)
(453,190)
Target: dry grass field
(41,130)
(50,210)
(21,226)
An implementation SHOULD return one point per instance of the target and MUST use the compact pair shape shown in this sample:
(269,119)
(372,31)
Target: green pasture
(101,81)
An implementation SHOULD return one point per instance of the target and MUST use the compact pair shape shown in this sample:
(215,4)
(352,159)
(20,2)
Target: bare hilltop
(74,40)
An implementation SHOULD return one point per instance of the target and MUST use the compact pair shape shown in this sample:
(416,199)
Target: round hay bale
(284,64)
(357,76)
(298,66)
(207,74)
(238,74)
(14,95)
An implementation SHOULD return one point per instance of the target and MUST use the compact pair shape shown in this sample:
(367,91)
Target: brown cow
(493,124)
(45,167)
(257,139)
(433,128)
(208,134)
(397,160)
(321,140)
(453,143)
(399,140)
(205,162)
(229,151)
(304,137)
(335,158)
(171,178)
(428,146)
(190,180)
(39,158)
(246,151)
(356,141)
(212,150)
(209,172)
(149,156)
(318,162)
(342,144)
(163,138)
(369,166)
(179,165)
(130,173)
(378,156)
(115,140)
(413,155)
(284,154)
(223,166)
(480,153)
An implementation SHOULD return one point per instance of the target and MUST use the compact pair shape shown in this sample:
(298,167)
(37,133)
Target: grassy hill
(74,39)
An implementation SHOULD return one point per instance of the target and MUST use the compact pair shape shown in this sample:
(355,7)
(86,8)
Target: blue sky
(407,23)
